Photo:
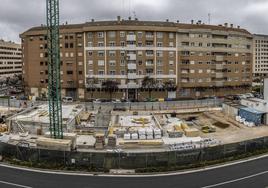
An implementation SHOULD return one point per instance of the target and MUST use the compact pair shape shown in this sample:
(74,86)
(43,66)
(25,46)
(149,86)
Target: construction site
(129,130)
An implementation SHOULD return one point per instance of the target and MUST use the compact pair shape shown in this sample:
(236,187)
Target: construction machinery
(54,87)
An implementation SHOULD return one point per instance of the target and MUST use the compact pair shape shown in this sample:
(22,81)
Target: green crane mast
(54,86)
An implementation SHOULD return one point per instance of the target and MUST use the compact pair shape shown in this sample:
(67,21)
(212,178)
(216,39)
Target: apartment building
(260,56)
(201,60)
(10,59)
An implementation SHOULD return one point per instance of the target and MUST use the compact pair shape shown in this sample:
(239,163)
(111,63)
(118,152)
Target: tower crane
(54,84)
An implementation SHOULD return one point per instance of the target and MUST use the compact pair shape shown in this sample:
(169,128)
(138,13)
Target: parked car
(67,99)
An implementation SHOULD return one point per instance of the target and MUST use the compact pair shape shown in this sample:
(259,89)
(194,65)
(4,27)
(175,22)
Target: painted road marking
(236,180)
(14,184)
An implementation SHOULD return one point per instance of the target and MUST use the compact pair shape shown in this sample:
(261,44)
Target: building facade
(201,60)
(260,56)
(10,59)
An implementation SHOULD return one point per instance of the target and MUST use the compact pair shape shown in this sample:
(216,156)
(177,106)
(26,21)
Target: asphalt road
(252,174)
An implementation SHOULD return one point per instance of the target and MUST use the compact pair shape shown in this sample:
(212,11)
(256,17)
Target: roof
(144,23)
(252,110)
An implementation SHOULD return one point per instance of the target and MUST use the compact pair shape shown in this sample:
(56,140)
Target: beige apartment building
(260,56)
(10,59)
(201,60)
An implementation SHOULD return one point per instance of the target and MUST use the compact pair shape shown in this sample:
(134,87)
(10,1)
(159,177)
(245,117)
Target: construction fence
(118,159)
(148,106)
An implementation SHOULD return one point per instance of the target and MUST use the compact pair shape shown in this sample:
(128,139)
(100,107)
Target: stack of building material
(127,136)
(54,144)
(99,140)
(175,133)
(142,135)
(191,132)
(119,132)
(134,136)
(3,128)
(67,136)
(157,134)
(149,134)
(112,140)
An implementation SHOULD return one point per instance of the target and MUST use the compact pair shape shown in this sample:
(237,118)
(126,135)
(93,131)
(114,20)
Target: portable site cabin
(252,115)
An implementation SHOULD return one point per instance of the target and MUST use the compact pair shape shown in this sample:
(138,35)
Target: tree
(91,84)
(170,86)
(110,86)
(149,84)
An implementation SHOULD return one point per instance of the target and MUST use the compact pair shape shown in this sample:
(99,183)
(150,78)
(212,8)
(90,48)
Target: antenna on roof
(209,18)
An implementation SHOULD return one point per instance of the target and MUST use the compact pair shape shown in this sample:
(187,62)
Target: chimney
(231,25)
(167,20)
(226,24)
(238,27)
(92,20)
(66,23)
(129,18)
(178,21)
(118,18)
(136,19)
(192,21)
(199,22)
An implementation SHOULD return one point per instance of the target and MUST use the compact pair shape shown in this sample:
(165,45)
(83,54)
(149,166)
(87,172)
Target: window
(90,35)
(122,53)
(111,34)
(159,63)
(90,62)
(69,72)
(100,34)
(90,53)
(112,63)
(122,62)
(171,63)
(159,35)
(171,35)
(112,53)
(122,34)
(171,54)
(100,53)
(159,44)
(71,45)
(122,43)
(90,44)
(80,72)
(139,34)
(101,72)
(171,72)
(41,63)
(112,72)
(111,43)
(159,53)
(171,44)
(71,54)
(100,62)
(80,54)
(100,44)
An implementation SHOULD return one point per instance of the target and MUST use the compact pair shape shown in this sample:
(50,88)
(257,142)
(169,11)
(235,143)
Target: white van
(67,99)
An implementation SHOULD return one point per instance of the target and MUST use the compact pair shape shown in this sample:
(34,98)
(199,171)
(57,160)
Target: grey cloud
(17,16)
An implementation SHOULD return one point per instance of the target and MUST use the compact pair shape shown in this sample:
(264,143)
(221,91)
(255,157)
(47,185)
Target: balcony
(132,57)
(132,66)
(219,75)
(131,37)
(219,83)
(219,58)
(132,76)
(132,46)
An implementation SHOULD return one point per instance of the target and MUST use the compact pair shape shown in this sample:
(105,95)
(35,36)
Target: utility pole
(54,87)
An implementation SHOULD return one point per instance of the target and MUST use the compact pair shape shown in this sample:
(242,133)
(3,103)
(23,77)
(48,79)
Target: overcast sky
(16,16)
